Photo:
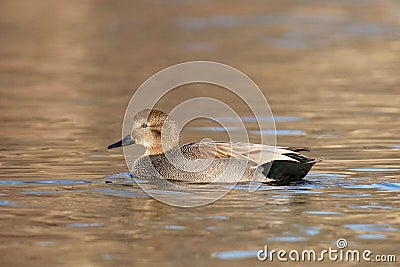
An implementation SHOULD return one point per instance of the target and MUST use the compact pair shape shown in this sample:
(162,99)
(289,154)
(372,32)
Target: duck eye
(144,125)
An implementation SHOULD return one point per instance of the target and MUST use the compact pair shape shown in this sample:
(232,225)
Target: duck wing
(257,153)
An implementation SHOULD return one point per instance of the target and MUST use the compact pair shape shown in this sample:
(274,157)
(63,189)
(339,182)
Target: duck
(209,161)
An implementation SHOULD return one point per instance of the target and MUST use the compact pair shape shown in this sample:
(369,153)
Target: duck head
(154,130)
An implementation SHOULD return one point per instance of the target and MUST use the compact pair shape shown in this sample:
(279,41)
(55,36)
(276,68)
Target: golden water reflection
(68,70)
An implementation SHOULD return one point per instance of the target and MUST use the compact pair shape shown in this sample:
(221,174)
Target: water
(328,68)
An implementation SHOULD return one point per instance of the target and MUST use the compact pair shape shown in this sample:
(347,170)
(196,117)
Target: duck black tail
(286,171)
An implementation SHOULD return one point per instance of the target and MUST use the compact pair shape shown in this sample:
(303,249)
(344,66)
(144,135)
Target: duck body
(206,162)
(222,169)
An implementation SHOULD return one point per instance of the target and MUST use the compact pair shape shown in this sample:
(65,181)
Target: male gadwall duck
(206,162)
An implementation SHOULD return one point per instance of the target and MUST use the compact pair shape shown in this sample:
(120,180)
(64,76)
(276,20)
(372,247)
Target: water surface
(329,69)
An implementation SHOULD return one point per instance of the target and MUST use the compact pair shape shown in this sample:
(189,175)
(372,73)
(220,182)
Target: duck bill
(126,141)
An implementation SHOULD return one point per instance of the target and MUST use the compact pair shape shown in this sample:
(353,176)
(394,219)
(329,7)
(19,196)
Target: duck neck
(161,148)
(154,150)
(168,140)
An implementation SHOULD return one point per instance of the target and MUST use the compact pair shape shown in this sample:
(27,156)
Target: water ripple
(371,227)
(372,236)
(317,212)
(120,193)
(374,170)
(41,182)
(235,254)
(387,186)
(84,225)
(175,227)
(287,239)
(7,203)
